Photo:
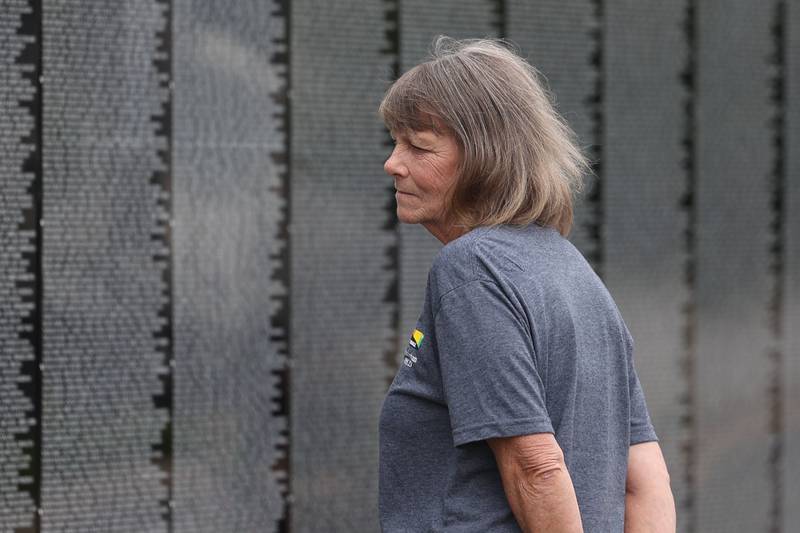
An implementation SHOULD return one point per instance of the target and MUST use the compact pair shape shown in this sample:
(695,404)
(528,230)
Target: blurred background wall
(205,289)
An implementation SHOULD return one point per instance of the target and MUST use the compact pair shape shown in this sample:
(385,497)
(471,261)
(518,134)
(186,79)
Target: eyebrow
(426,137)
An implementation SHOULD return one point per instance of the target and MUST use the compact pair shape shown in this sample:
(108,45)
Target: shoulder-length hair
(520,162)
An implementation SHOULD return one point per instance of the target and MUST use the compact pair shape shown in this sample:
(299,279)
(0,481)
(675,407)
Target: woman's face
(423,165)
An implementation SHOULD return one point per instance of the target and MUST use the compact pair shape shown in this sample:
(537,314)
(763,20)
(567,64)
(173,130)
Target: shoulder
(456,265)
(504,254)
(533,267)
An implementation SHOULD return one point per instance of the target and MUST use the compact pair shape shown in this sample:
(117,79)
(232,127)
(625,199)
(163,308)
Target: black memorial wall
(205,288)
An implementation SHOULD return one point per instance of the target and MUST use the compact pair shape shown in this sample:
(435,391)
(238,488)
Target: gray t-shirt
(517,335)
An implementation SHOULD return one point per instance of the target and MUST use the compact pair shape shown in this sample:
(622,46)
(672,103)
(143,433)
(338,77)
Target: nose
(394,166)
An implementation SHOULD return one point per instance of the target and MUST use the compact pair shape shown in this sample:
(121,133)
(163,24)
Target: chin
(408,218)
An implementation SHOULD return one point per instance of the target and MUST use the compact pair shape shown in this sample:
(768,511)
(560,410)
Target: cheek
(445,182)
(442,177)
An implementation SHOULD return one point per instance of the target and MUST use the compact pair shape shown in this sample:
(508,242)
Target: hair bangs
(406,105)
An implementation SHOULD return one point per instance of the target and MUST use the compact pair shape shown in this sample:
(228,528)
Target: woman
(518,407)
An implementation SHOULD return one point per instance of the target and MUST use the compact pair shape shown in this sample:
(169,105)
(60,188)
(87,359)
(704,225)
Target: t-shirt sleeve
(490,380)
(641,427)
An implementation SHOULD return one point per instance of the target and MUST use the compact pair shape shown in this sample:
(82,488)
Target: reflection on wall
(228,160)
(205,287)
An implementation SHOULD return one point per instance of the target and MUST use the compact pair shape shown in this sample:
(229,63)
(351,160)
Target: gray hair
(520,162)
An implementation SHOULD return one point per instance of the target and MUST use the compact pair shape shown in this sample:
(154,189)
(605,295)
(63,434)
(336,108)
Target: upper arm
(646,468)
(490,380)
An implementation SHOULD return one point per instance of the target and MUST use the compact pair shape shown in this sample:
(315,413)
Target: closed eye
(413,147)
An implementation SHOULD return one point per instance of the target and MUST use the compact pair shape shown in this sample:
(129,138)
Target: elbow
(538,484)
(647,470)
(542,468)
(657,481)
(533,465)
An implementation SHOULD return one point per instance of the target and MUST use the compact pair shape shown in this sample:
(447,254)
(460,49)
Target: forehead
(423,135)
(418,124)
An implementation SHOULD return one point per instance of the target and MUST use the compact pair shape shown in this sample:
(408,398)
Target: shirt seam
(441,297)
(481,425)
(540,424)
(476,276)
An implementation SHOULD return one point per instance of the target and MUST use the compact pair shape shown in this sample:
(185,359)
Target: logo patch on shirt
(415,342)
(409,358)
(416,339)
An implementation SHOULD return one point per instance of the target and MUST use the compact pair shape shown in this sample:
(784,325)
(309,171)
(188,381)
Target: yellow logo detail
(416,339)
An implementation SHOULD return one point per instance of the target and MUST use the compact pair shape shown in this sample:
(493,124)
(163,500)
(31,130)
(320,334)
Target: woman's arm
(537,484)
(649,505)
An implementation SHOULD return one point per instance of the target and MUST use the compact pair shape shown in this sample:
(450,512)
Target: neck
(445,232)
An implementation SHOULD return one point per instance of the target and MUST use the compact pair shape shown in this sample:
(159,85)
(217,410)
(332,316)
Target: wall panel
(105,259)
(789,465)
(342,321)
(562,40)
(645,223)
(20,326)
(229,164)
(733,367)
